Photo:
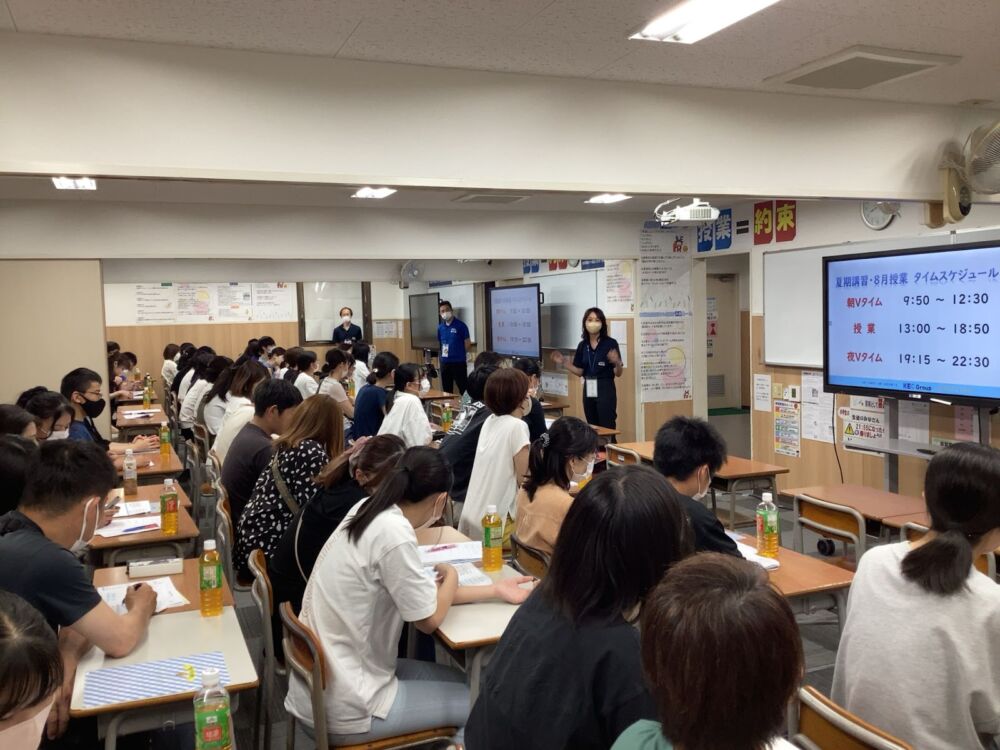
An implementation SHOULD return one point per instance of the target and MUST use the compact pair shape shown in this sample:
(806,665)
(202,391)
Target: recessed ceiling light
(608,198)
(376,193)
(74,183)
(691,21)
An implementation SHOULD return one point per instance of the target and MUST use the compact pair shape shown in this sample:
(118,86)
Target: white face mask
(177,357)
(447,316)
(58,435)
(577,478)
(700,495)
(27,733)
(434,516)
(81,544)
(345,319)
(425,385)
(594,326)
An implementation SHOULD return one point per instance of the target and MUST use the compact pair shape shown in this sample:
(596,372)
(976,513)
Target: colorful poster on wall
(785,220)
(866,428)
(763,222)
(235,301)
(724,229)
(787,428)
(195,303)
(155,303)
(665,369)
(619,287)
(274,301)
(664,269)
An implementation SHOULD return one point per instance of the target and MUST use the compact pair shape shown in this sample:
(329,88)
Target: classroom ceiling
(116,190)
(574,38)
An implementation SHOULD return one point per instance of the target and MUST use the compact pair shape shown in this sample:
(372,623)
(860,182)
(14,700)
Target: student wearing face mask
(455,341)
(67,486)
(347,332)
(688,452)
(31,671)
(51,411)
(560,460)
(305,373)
(82,388)
(368,580)
(171,353)
(598,361)
(338,364)
(404,411)
(535,419)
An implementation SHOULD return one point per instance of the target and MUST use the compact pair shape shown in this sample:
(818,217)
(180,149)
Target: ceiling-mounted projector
(697,212)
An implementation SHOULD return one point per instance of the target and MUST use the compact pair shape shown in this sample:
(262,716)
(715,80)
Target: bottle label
(212,728)
(168,503)
(211,576)
(771,522)
(492,537)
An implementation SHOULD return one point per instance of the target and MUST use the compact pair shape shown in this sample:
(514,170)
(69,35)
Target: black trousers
(452,374)
(603,410)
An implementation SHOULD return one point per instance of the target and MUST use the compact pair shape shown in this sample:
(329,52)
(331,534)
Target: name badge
(591,388)
(444,350)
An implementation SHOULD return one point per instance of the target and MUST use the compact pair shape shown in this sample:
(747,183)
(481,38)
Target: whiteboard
(463,302)
(566,297)
(321,302)
(793,293)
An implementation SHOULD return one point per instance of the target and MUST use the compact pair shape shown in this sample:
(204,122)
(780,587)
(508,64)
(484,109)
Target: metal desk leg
(840,597)
(731,490)
(474,658)
(111,736)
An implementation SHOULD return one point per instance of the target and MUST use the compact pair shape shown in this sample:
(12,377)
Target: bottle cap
(168,482)
(209,545)
(210,677)
(128,451)
(163,424)
(491,510)
(767,497)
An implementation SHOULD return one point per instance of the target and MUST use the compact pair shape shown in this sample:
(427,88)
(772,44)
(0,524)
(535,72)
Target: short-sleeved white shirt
(407,419)
(239,411)
(306,384)
(189,409)
(357,599)
(493,480)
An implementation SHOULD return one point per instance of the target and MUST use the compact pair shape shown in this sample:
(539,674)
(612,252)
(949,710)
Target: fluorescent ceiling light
(376,193)
(691,21)
(74,183)
(608,198)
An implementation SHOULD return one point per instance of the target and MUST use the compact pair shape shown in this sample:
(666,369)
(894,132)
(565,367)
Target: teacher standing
(454,340)
(598,361)
(347,332)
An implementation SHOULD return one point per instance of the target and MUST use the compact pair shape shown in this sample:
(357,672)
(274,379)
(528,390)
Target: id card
(591,388)
(444,350)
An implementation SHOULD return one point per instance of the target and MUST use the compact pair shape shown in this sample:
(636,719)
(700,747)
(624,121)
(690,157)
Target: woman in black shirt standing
(598,360)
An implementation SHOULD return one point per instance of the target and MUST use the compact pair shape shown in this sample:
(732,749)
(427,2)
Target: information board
(515,328)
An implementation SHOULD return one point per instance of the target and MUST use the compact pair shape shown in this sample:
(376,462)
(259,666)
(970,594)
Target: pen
(441,548)
(144,527)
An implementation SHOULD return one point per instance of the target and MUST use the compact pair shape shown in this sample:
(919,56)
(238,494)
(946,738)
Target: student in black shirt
(567,671)
(598,361)
(688,452)
(535,419)
(459,445)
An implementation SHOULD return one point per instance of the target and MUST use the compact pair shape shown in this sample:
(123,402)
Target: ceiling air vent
(860,68)
(496,199)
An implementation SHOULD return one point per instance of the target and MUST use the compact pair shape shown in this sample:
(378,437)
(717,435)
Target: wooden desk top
(604,431)
(151,492)
(745,468)
(555,403)
(161,467)
(134,400)
(870,503)
(644,449)
(151,421)
(186,529)
(897,522)
(187,583)
(800,574)
(433,395)
(440,535)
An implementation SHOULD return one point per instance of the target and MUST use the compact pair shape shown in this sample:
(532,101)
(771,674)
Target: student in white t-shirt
(338,364)
(404,411)
(501,455)
(367,581)
(919,657)
(362,352)
(239,406)
(305,381)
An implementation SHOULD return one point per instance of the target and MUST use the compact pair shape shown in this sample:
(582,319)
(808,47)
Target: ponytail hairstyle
(304,359)
(568,438)
(334,358)
(405,374)
(360,351)
(382,365)
(375,458)
(292,363)
(421,472)
(960,488)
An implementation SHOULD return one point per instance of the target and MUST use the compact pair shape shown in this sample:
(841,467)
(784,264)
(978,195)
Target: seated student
(361,351)
(314,437)
(281,366)
(305,379)
(82,388)
(338,363)
(501,453)
(16,455)
(17,421)
(51,411)
(207,368)
(239,407)
(459,445)
(253,352)
(688,452)
(404,412)
(918,657)
(216,399)
(68,484)
(249,454)
(369,404)
(171,353)
(31,671)
(484,359)
(535,419)
(567,671)
(184,355)
(113,349)
(188,377)
(711,628)
(559,459)
(343,484)
(368,581)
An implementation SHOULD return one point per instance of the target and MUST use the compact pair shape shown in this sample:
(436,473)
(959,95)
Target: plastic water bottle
(210,578)
(768,537)
(446,418)
(164,440)
(130,472)
(212,718)
(168,508)
(492,540)
(147,396)
(351,387)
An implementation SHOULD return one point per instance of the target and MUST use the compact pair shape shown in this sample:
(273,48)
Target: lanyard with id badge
(590,384)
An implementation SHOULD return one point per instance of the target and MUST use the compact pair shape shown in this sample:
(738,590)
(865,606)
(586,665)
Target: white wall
(97,106)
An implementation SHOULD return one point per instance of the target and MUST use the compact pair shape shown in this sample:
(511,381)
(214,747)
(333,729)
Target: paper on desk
(139,413)
(167,595)
(451,553)
(151,679)
(129,526)
(750,553)
(134,508)
(468,574)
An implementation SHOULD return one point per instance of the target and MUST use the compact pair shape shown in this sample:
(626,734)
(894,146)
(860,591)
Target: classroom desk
(151,492)
(744,475)
(554,405)
(604,434)
(171,635)
(129,428)
(433,395)
(136,398)
(108,548)
(875,505)
(922,518)
(187,583)
(152,467)
(644,449)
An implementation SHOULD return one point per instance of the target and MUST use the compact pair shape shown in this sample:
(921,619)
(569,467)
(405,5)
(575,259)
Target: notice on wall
(914,422)
(868,403)
(618,330)
(665,369)
(761,392)
(867,428)
(555,384)
(183,303)
(711,308)
(664,269)
(787,428)
(619,288)
(155,303)
(195,303)
(817,408)
(274,301)
(235,301)
(387,329)
(966,424)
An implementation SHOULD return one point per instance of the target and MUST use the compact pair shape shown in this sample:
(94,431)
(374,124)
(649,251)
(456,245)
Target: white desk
(169,636)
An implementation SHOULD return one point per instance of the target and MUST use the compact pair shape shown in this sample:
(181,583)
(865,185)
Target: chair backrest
(823,724)
(618,456)
(202,437)
(985,564)
(263,595)
(213,457)
(528,560)
(830,519)
(224,536)
(304,656)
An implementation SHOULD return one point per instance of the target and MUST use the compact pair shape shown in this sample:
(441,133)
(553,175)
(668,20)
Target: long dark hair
(961,492)
(333,359)
(405,374)
(568,438)
(422,471)
(604,323)
(382,365)
(376,457)
(621,534)
(30,665)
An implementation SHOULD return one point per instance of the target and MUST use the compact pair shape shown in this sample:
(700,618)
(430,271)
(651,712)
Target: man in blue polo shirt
(453,336)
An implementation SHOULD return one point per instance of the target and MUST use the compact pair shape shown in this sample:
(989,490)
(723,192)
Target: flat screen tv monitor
(515,320)
(915,324)
(424,320)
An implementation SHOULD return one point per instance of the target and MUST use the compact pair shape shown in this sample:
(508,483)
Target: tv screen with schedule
(515,320)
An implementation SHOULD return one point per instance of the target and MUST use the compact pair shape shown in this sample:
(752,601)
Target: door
(723,345)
